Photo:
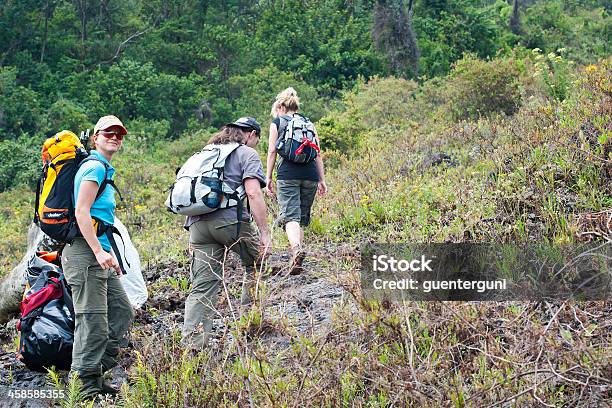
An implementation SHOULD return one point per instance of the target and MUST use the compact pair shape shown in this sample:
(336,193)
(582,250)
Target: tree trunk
(82,8)
(11,288)
(394,35)
(46,33)
(50,6)
(515,18)
(411,43)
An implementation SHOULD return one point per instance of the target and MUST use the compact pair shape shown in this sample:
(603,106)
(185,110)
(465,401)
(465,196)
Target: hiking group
(220,190)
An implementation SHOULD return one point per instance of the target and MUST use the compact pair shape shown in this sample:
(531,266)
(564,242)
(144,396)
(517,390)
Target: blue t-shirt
(104,207)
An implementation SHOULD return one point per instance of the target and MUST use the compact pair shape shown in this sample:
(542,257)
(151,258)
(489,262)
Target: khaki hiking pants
(295,199)
(103,314)
(209,240)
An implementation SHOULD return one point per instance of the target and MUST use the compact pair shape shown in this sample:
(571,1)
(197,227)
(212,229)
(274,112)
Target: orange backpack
(62,155)
(54,209)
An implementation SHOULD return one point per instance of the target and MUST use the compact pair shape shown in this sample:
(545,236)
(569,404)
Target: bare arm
(271,160)
(87,195)
(321,171)
(258,209)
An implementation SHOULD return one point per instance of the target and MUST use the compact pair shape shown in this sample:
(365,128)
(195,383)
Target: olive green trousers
(209,241)
(103,314)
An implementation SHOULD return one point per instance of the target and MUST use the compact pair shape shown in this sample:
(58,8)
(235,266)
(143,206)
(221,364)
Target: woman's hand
(322,188)
(269,189)
(107,261)
(87,195)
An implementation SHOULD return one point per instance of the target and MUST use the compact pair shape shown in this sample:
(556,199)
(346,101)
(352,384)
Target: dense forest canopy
(171,66)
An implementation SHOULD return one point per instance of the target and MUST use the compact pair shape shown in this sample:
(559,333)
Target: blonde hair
(287,98)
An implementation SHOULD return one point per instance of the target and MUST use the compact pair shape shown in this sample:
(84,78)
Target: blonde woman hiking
(299,173)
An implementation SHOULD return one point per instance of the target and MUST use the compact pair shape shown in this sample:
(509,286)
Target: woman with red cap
(103,311)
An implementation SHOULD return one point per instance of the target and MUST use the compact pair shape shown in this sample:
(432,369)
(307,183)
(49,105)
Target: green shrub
(65,114)
(585,30)
(334,136)
(131,89)
(19,106)
(16,209)
(379,103)
(329,44)
(446,30)
(554,71)
(253,94)
(20,162)
(143,133)
(480,88)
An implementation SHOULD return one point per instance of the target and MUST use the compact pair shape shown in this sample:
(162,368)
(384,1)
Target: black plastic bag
(47,330)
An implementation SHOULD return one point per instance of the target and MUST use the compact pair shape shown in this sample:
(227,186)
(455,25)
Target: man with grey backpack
(210,189)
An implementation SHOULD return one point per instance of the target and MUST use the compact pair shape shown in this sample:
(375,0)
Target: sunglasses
(110,133)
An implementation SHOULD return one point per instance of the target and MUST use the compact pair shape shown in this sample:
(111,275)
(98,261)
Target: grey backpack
(297,139)
(200,187)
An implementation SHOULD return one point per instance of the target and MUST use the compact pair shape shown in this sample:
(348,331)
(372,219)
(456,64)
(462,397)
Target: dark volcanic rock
(438,159)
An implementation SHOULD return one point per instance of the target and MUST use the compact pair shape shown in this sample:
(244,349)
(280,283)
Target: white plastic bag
(133,282)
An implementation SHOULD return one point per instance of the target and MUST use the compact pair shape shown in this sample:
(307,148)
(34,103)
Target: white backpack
(200,187)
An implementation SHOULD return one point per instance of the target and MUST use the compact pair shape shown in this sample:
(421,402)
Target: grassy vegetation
(378,354)
(519,177)
(517,149)
(16,212)
(525,175)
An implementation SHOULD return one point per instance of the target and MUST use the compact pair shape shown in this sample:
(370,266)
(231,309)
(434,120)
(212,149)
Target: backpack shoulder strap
(284,122)
(106,180)
(223,151)
(38,192)
(110,230)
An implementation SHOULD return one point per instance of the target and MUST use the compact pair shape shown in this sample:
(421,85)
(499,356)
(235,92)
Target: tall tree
(515,20)
(83,10)
(18,27)
(394,35)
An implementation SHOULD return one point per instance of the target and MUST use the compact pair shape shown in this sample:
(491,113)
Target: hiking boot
(89,395)
(295,264)
(90,386)
(108,389)
(197,340)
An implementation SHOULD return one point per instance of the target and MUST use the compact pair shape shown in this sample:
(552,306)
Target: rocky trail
(303,303)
